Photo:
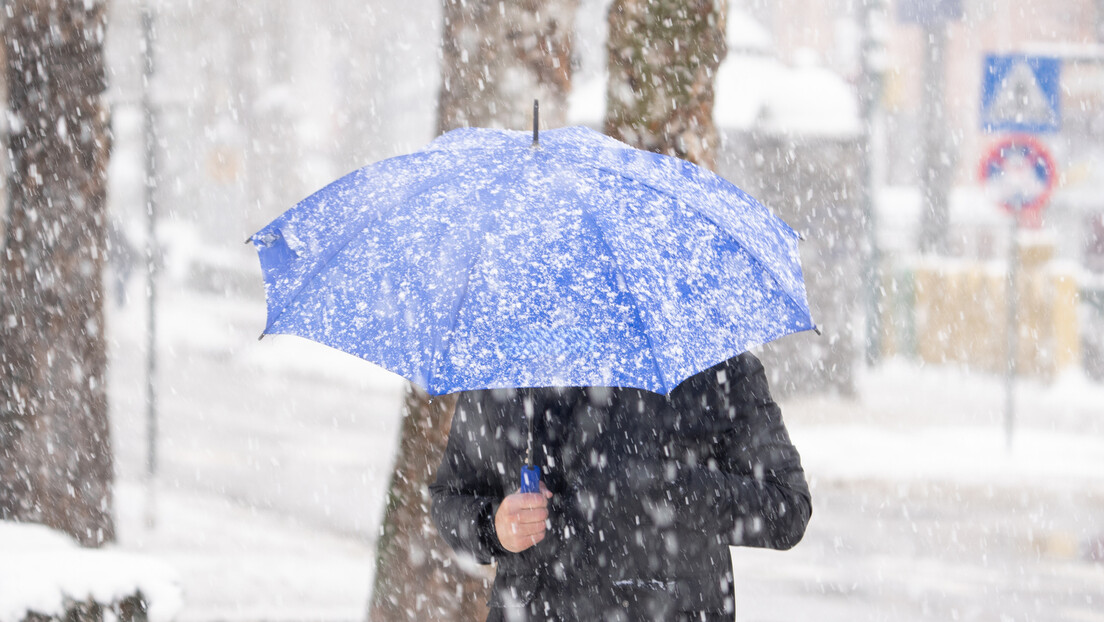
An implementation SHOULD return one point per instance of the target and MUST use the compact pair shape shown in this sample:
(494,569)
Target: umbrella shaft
(529,440)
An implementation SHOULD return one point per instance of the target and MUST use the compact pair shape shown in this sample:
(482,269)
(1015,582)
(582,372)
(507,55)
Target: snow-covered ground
(922,511)
(274,457)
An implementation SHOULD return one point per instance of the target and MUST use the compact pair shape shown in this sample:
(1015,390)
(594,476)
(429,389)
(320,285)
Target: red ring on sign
(1035,153)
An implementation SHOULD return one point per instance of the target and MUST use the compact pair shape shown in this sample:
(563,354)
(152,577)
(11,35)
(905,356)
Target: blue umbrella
(489,259)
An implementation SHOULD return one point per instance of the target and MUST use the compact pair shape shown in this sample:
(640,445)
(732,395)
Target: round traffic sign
(1020,172)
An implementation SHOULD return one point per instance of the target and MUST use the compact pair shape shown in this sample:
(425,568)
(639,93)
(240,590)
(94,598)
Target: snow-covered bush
(44,576)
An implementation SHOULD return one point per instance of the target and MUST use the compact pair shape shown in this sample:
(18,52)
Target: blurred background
(945,487)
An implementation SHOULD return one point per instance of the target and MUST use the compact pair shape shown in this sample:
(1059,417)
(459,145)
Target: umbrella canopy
(488,260)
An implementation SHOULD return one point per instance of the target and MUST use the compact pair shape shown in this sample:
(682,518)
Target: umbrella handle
(530,478)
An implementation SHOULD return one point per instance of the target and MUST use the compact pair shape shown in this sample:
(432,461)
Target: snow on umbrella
(489,259)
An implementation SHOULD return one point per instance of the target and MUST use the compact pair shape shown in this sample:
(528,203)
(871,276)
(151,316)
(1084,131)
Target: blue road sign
(1020,94)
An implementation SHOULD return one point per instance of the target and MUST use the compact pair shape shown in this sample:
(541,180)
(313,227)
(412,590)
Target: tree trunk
(663,58)
(496,59)
(55,450)
(417,577)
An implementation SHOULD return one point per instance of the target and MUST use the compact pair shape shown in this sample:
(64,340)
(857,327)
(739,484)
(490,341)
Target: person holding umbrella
(593,304)
(642,494)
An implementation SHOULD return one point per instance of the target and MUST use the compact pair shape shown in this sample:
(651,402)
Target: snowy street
(275,457)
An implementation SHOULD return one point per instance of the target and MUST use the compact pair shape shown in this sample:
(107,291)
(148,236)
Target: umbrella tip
(248,239)
(261,337)
(816,329)
(536,116)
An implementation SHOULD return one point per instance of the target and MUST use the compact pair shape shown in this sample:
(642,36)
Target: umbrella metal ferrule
(536,116)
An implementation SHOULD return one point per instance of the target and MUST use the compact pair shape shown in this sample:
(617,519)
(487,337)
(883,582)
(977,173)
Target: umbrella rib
(636,307)
(362,224)
(454,313)
(630,150)
(734,234)
(625,149)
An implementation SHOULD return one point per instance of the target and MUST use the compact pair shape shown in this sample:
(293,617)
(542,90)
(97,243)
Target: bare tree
(663,58)
(497,57)
(55,450)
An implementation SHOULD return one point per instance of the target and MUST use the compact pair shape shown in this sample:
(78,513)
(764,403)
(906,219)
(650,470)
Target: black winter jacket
(650,491)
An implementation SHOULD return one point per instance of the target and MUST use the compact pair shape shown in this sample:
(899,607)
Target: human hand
(520,519)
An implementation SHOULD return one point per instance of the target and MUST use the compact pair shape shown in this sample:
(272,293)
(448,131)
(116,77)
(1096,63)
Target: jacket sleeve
(464,498)
(754,492)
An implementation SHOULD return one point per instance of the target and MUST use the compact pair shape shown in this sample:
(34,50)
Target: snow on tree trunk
(663,57)
(55,451)
(497,57)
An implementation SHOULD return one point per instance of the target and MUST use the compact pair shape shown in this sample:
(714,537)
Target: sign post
(1012,340)
(1020,172)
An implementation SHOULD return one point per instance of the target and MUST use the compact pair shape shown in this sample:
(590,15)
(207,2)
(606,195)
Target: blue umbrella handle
(530,478)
